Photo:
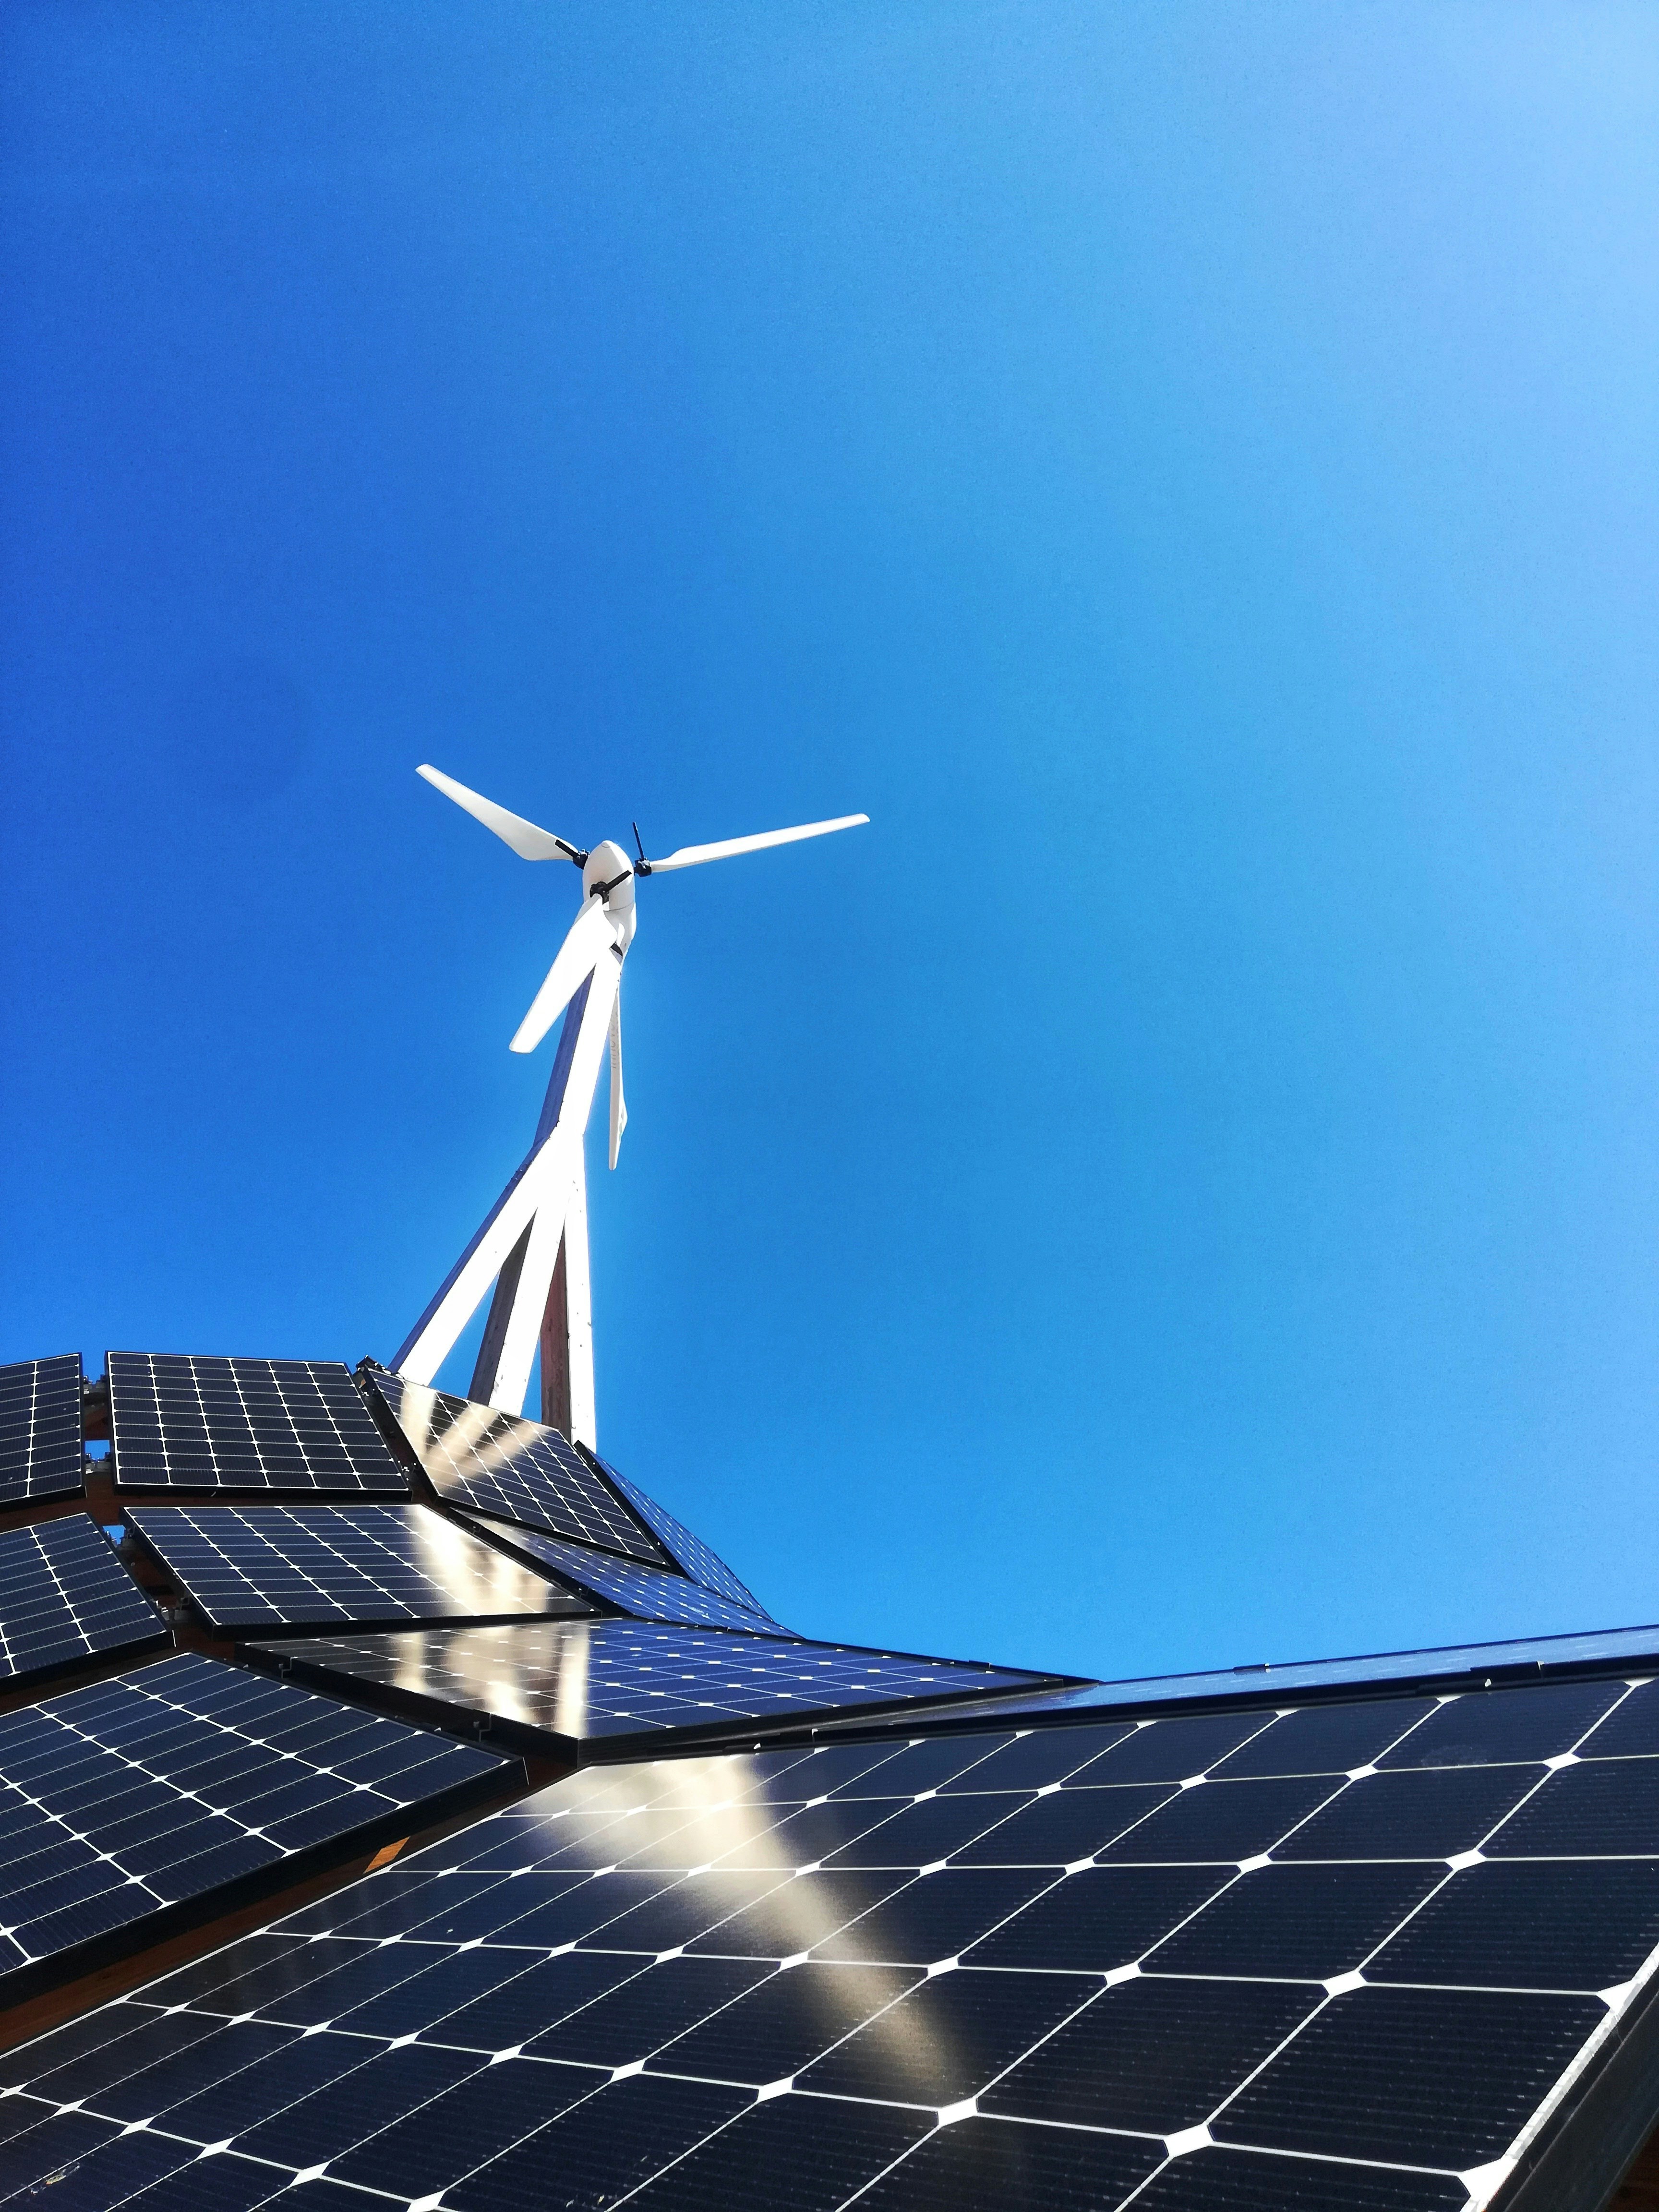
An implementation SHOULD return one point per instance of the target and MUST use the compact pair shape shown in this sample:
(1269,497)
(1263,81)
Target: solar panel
(271,1567)
(172,1781)
(555,1686)
(193,1423)
(647,1592)
(65,1598)
(40,1446)
(688,1551)
(1449,1668)
(511,1469)
(1068,1968)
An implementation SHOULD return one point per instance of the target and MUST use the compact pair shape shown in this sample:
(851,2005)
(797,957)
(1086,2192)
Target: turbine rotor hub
(609,871)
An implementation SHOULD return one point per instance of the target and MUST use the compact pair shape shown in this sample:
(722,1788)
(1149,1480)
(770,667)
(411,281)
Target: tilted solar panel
(511,1469)
(1196,1965)
(647,1592)
(166,1784)
(195,1422)
(1448,1667)
(41,1442)
(688,1551)
(65,1598)
(554,1686)
(267,1567)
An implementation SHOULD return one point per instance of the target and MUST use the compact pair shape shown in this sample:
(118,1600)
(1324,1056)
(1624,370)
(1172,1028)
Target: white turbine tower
(532,1244)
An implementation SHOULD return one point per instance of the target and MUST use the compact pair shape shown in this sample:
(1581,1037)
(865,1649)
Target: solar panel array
(41,1442)
(688,1551)
(171,1782)
(512,1470)
(267,1567)
(194,1422)
(1342,1959)
(65,1598)
(573,1683)
(647,1592)
(1037,1943)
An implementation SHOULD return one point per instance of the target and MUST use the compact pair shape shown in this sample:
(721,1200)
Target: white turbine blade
(693,856)
(618,1103)
(591,936)
(525,839)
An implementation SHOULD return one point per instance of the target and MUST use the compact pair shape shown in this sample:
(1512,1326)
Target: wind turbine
(532,1244)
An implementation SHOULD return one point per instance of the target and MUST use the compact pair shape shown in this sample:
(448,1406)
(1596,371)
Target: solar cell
(167,1784)
(1413,1816)
(688,1551)
(65,1598)
(1242,2181)
(555,1686)
(648,1593)
(1310,1923)
(1329,1738)
(650,1978)
(1601,1806)
(1485,1727)
(986,2162)
(40,1443)
(194,1422)
(1532,1924)
(271,1567)
(510,1470)
(1414,2076)
(1631,1726)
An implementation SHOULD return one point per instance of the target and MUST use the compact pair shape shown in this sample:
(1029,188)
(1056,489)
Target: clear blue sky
(1180,1186)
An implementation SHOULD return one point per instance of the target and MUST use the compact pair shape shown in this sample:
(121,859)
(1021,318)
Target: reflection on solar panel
(1206,1960)
(275,1566)
(191,1423)
(168,1782)
(645,1591)
(40,1429)
(555,1686)
(65,1597)
(688,1551)
(511,1469)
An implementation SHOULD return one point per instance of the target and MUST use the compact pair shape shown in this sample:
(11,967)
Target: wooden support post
(501,1312)
(555,1351)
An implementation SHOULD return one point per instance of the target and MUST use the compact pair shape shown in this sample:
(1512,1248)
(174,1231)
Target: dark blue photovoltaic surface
(172,1780)
(647,1592)
(578,1682)
(952,1973)
(338,1566)
(511,1469)
(689,1552)
(40,1444)
(65,1598)
(194,1422)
